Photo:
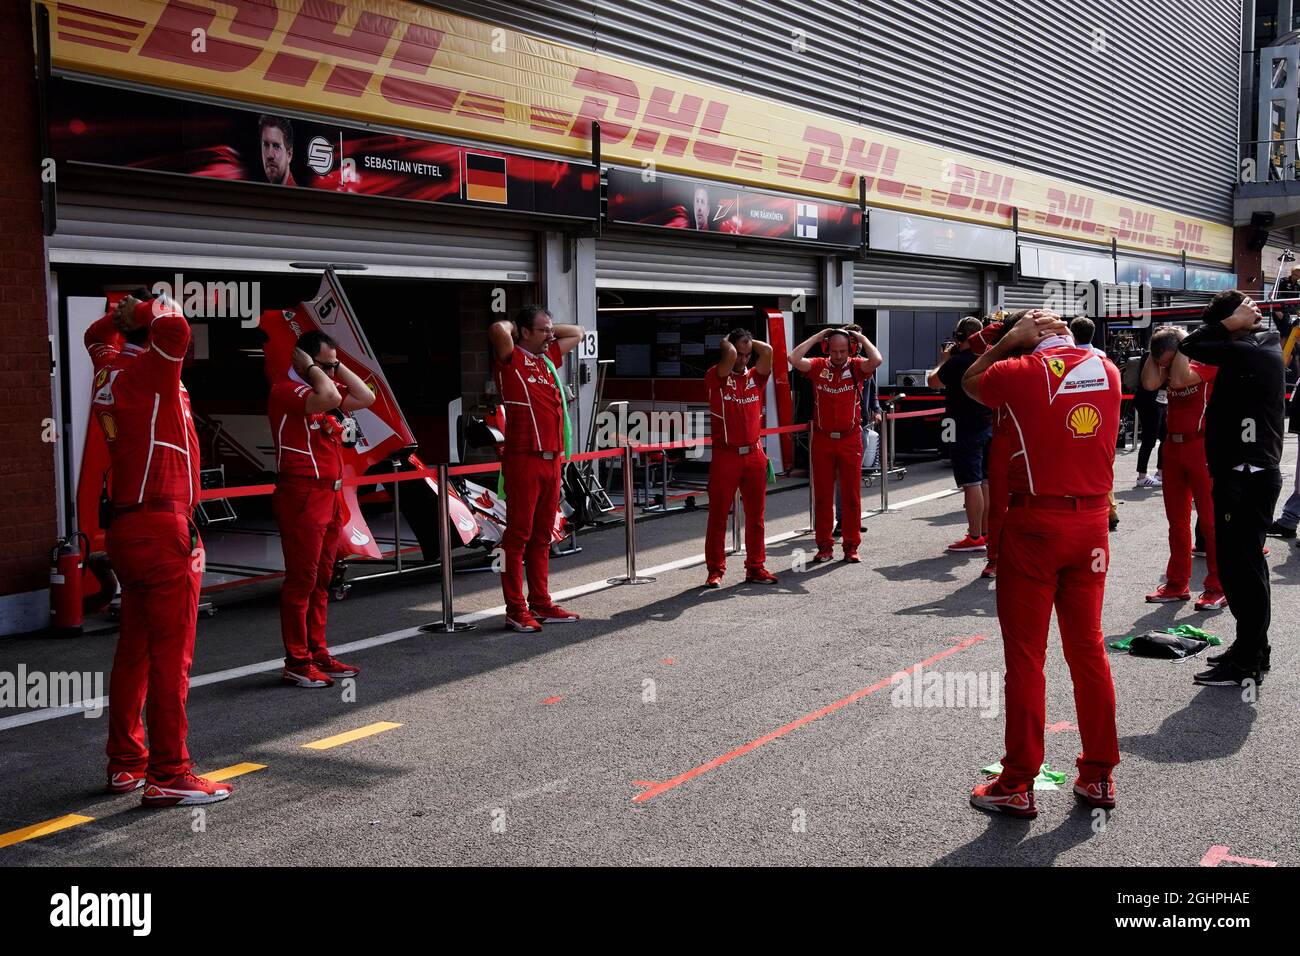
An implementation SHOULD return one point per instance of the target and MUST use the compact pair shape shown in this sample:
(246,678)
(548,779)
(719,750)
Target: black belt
(167,507)
(1060,502)
(330,484)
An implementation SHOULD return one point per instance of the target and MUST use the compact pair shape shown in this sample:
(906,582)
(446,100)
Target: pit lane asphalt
(488,767)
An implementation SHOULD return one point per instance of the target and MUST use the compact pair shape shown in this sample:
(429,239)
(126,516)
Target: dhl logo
(406,63)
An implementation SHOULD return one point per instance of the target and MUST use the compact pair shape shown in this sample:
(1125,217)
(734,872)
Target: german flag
(485,178)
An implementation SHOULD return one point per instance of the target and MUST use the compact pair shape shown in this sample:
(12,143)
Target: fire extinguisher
(66,563)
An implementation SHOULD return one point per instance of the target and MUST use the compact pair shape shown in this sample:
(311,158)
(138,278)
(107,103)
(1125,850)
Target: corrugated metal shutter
(1063,89)
(886,281)
(163,228)
(1028,294)
(702,267)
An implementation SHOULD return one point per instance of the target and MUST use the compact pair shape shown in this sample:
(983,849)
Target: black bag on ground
(1166,646)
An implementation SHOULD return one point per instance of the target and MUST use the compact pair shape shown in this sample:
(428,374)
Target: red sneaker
(306,675)
(992,796)
(990,570)
(186,790)
(1167,595)
(823,555)
(714,580)
(1100,793)
(759,576)
(852,557)
(333,667)
(969,544)
(523,621)
(125,781)
(1211,601)
(555,615)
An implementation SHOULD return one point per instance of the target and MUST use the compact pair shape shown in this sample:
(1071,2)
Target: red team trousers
(832,459)
(154,556)
(309,512)
(532,495)
(728,472)
(1187,478)
(999,491)
(1051,556)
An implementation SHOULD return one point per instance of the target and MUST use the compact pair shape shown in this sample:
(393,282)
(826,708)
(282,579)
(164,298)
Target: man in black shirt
(1243,447)
(968,425)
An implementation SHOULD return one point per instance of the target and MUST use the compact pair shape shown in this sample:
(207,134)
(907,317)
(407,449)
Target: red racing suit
(308,507)
(739,462)
(1063,403)
(153,544)
(532,459)
(837,448)
(1187,479)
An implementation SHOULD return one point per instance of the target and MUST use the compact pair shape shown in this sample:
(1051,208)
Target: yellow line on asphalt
(43,829)
(351,735)
(229,773)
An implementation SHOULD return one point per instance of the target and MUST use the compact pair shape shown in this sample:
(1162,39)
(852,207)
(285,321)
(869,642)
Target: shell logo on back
(1083,421)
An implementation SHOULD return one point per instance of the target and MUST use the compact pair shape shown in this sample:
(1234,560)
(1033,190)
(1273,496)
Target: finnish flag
(805,223)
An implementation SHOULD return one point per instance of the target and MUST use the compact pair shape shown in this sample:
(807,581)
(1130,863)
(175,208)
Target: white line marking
(247,670)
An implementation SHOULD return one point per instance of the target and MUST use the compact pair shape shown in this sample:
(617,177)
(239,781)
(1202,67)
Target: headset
(853,343)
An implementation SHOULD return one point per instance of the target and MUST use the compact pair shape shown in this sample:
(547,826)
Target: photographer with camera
(970,426)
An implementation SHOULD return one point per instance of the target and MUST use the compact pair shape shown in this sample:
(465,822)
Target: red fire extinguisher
(66,563)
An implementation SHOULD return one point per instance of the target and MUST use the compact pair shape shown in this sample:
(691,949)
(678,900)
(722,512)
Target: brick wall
(27,505)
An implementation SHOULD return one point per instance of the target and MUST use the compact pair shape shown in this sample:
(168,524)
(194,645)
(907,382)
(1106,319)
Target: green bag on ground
(1047,779)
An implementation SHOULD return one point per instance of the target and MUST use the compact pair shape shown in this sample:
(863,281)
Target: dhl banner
(407,64)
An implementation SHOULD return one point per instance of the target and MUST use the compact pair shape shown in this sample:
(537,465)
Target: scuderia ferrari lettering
(76,909)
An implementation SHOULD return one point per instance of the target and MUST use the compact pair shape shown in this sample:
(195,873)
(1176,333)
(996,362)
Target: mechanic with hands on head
(525,356)
(1243,448)
(137,350)
(872,416)
(1186,474)
(836,436)
(308,413)
(736,390)
(1064,403)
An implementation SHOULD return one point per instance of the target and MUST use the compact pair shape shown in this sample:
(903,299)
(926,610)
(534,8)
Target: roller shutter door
(886,282)
(702,267)
(167,228)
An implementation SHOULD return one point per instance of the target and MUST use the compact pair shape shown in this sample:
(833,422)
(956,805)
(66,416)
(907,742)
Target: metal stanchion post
(397,519)
(735,523)
(448,624)
(886,448)
(812,519)
(629,523)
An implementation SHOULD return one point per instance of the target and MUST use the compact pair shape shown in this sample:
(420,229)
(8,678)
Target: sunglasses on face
(329,367)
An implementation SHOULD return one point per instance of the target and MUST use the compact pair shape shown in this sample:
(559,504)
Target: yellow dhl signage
(406,64)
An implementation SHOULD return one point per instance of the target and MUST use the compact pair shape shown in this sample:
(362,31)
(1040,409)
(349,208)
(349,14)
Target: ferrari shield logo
(1057,366)
(101,378)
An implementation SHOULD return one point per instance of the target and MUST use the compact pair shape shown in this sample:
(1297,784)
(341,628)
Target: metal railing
(442,473)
